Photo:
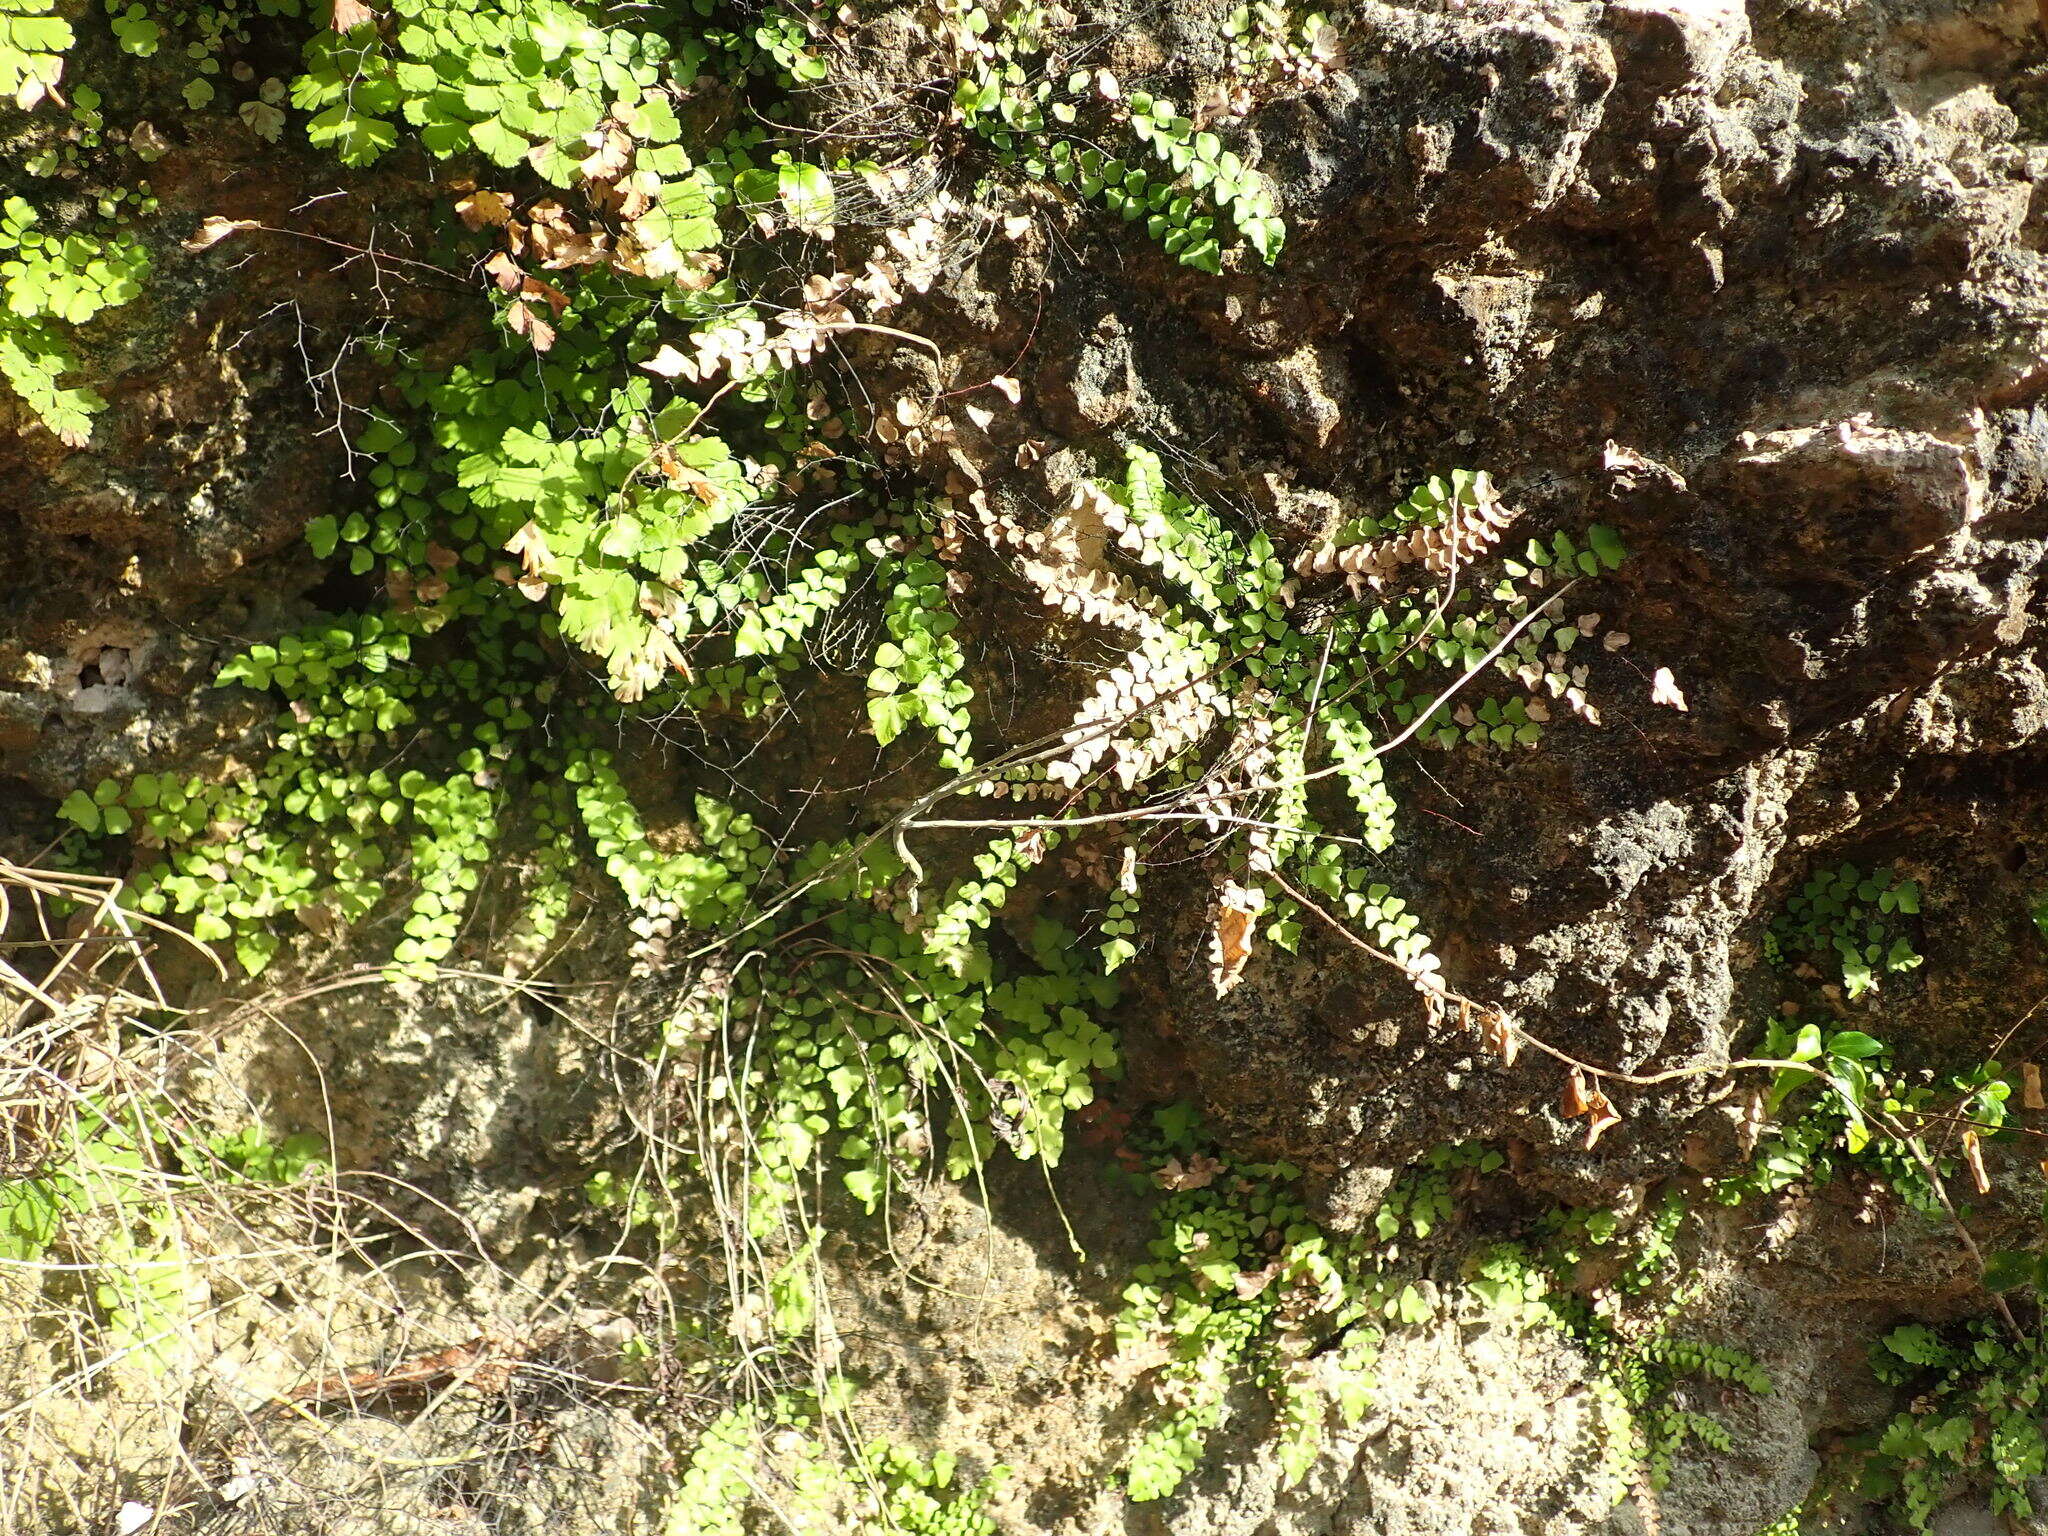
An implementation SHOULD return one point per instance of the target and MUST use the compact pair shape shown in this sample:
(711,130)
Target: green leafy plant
(1243,1285)
(33,41)
(1855,1110)
(1217,658)
(1642,1418)
(45,280)
(619,512)
(514,82)
(107,1206)
(1976,1417)
(251,1155)
(1270,45)
(1018,90)
(1855,919)
(789,1455)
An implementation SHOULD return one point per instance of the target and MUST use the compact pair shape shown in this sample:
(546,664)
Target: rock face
(1761,286)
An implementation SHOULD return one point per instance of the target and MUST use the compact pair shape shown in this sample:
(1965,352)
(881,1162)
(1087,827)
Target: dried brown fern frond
(1159,680)
(1067,562)
(1470,524)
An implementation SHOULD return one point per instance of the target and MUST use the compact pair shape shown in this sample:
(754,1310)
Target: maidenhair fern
(34,38)
(1243,1284)
(1980,1398)
(918,675)
(1854,920)
(783,1458)
(48,280)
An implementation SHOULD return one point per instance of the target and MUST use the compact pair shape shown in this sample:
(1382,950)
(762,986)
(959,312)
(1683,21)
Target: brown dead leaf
(1575,1101)
(1250,1283)
(576,248)
(1664,689)
(1603,1115)
(611,152)
(1752,1128)
(1198,1173)
(553,297)
(505,272)
(1502,1038)
(1103,1124)
(1230,941)
(213,229)
(1135,1360)
(698,270)
(551,213)
(531,546)
(1973,1154)
(526,322)
(2030,1086)
(482,208)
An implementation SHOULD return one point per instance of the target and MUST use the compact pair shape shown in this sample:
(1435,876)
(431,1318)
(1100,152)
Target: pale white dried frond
(1099,596)
(1471,525)
(1157,680)
(1068,563)
(1178,723)
(1021,789)
(1143,530)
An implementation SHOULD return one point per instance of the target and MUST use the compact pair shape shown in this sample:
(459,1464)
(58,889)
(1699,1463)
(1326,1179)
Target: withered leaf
(525,322)
(611,152)
(505,272)
(1502,1038)
(1973,1154)
(1603,1115)
(668,362)
(1230,942)
(214,228)
(1250,1283)
(534,288)
(531,546)
(483,208)
(1198,1173)
(1575,1101)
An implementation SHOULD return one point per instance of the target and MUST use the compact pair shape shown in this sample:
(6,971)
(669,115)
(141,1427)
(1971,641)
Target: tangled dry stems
(187,1349)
